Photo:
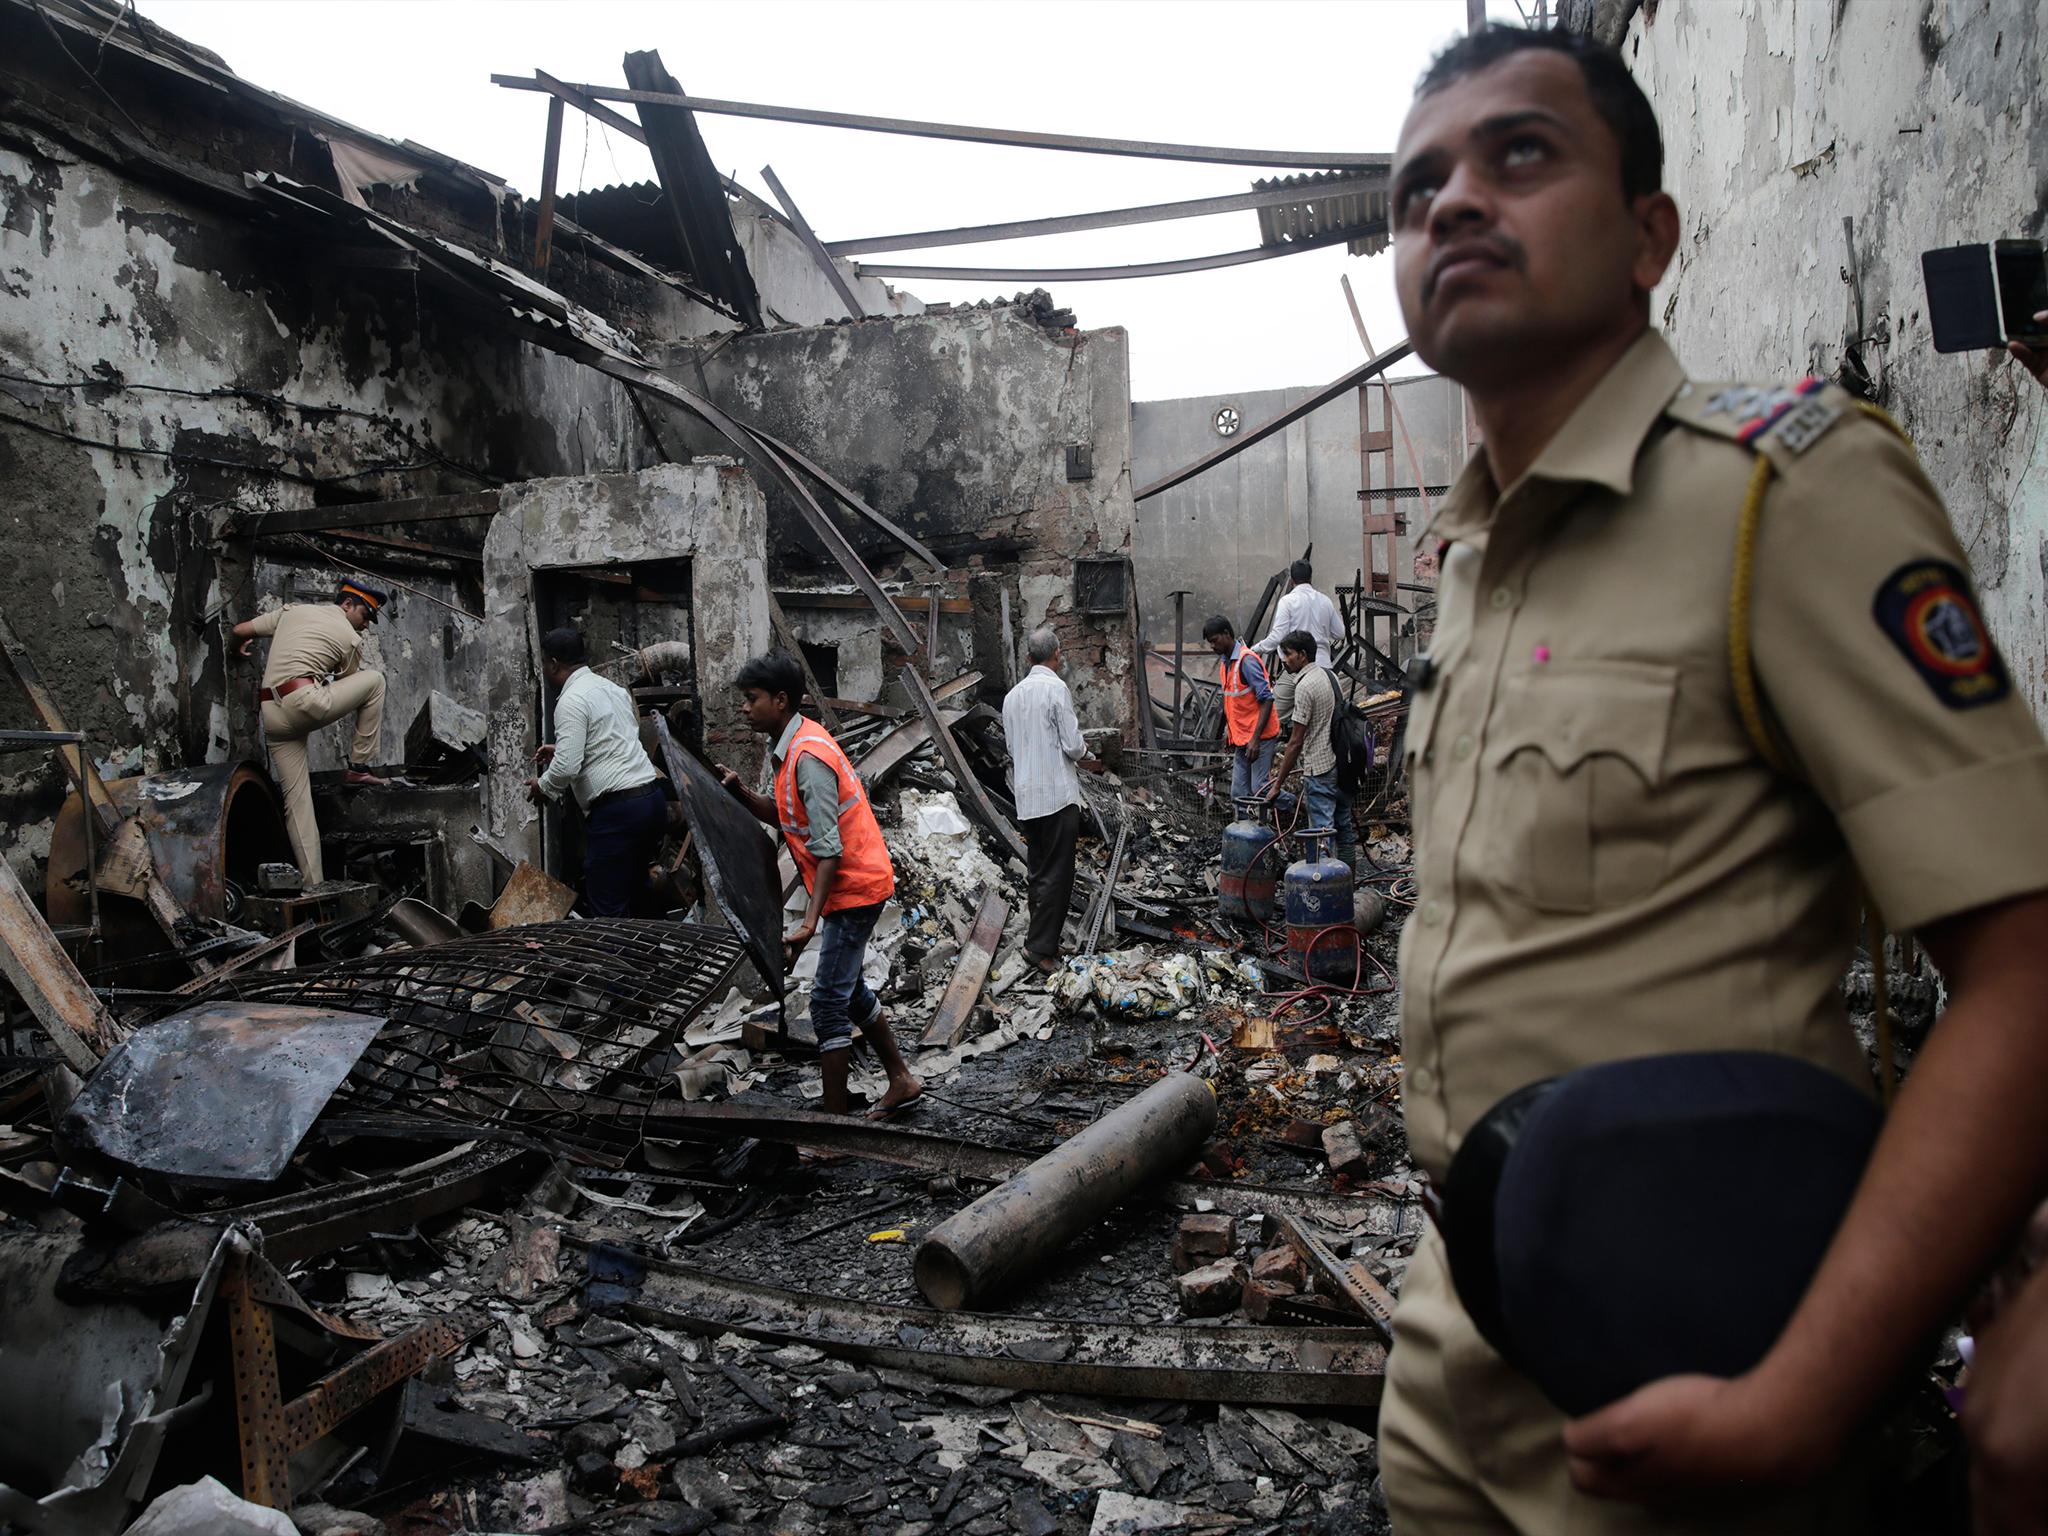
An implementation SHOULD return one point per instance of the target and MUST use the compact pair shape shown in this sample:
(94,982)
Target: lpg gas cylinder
(1318,897)
(1251,864)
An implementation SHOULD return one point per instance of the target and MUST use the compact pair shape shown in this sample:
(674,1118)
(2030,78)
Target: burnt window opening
(823,661)
(631,615)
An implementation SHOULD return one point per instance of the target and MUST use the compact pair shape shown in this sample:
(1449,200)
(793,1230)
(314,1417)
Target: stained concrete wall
(421,643)
(957,424)
(1923,124)
(794,290)
(168,365)
(169,357)
(1222,534)
(709,512)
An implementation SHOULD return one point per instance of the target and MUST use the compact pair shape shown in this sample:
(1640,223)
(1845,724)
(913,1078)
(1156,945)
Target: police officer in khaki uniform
(1644,799)
(313,676)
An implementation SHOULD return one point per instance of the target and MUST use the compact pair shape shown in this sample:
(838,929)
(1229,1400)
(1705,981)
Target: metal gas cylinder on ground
(1251,868)
(1321,940)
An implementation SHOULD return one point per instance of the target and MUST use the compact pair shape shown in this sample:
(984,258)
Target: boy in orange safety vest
(823,811)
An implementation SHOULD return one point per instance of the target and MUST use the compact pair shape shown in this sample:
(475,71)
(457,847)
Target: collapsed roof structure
(257,1127)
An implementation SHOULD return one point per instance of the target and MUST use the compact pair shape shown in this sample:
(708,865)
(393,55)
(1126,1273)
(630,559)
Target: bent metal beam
(1330,1366)
(1078,223)
(1015,138)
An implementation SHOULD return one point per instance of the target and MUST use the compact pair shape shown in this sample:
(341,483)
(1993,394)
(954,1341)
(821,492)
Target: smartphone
(2021,268)
(1979,297)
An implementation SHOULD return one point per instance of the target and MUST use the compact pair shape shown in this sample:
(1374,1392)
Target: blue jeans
(1248,779)
(620,839)
(1328,806)
(840,998)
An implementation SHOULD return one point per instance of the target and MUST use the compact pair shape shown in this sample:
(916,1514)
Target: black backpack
(1351,738)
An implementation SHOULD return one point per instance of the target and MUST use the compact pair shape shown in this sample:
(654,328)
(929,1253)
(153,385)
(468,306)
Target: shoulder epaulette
(1782,420)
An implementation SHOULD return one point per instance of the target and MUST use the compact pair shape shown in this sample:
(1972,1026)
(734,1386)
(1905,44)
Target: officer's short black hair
(1614,92)
(1301,570)
(1299,641)
(564,647)
(776,672)
(1218,625)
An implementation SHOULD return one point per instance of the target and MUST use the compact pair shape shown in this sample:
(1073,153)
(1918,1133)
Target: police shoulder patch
(1927,610)
(1786,419)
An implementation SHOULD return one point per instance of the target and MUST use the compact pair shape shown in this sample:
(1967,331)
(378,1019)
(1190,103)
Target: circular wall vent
(1226,421)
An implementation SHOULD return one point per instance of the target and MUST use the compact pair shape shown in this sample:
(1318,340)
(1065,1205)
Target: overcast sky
(1268,75)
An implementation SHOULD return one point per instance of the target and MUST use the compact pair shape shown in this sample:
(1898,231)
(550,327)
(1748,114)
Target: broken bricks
(1212,1290)
(1346,1150)
(1356,1148)
(1281,1266)
(1203,1237)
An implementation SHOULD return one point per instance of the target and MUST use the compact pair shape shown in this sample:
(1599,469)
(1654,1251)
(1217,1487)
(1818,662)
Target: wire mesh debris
(558,1030)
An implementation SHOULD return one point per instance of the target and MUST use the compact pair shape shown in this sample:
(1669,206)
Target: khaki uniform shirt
(1607,866)
(308,640)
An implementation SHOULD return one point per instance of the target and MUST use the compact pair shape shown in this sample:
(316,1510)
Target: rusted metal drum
(208,828)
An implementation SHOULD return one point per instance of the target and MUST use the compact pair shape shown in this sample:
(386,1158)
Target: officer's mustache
(1505,249)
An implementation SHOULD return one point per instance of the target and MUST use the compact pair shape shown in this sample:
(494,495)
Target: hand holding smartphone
(1989,297)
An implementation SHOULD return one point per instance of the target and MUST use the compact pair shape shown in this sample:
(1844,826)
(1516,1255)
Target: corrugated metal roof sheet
(1335,205)
(633,215)
(697,203)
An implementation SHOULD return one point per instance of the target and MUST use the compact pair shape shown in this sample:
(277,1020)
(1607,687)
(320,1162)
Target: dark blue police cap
(1649,1217)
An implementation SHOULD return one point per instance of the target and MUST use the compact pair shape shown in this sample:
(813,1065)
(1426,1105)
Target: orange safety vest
(865,874)
(1240,705)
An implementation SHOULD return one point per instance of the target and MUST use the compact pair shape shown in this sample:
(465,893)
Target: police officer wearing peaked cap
(1645,804)
(313,676)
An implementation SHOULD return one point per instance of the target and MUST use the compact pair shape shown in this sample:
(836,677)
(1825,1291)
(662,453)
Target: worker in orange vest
(1247,709)
(823,811)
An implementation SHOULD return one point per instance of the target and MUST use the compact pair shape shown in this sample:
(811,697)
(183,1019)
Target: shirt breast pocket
(1577,821)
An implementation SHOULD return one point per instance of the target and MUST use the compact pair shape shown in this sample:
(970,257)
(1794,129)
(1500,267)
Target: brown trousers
(287,722)
(1468,1445)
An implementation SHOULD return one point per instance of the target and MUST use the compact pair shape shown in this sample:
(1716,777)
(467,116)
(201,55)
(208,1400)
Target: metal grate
(551,1029)
(1102,584)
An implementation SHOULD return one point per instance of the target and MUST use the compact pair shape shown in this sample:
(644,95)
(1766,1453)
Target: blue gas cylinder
(1251,865)
(1318,897)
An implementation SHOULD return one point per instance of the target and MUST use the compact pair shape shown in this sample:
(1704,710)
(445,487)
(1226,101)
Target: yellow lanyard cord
(1741,665)
(1749,705)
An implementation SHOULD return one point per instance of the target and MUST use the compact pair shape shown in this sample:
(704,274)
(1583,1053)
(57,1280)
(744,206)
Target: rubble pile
(636,1284)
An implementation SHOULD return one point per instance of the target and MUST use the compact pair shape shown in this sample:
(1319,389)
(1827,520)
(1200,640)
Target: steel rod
(1076,223)
(1011,137)
(816,247)
(1095,274)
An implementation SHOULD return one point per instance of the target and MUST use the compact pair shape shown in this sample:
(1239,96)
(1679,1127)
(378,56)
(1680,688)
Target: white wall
(1923,123)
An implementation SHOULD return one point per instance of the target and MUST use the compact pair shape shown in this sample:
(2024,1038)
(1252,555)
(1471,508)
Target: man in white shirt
(1045,746)
(597,754)
(1301,606)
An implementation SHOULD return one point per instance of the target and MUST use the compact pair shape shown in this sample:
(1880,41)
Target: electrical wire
(115,383)
(385,576)
(240,466)
(92,75)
